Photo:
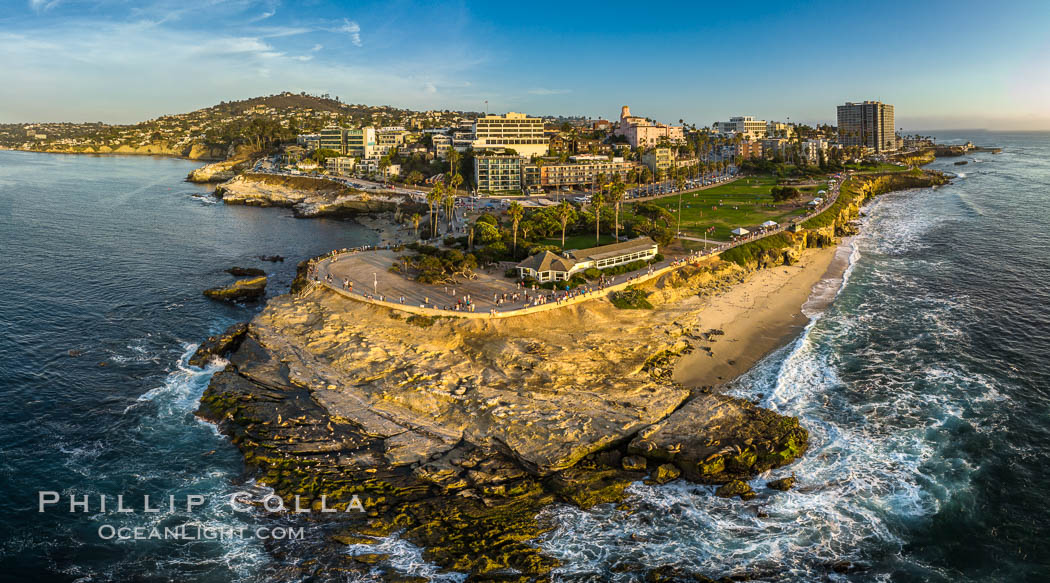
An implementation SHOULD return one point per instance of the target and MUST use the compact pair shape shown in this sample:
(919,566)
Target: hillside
(218,131)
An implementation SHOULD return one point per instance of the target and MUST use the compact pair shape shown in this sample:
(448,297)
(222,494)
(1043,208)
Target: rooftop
(614,249)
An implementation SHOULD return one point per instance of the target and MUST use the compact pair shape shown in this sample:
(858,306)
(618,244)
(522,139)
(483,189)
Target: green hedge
(749,253)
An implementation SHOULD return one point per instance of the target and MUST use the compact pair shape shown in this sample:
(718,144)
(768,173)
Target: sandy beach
(762,314)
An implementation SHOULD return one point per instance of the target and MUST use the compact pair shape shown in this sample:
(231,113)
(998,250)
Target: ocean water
(925,385)
(103,263)
(926,390)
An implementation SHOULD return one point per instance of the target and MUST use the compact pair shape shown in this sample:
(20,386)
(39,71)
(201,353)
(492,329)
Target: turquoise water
(925,386)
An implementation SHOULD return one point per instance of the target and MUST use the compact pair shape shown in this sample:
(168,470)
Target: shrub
(421,321)
(592,273)
(631,298)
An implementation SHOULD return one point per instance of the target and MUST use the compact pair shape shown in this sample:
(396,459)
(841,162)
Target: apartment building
(442,144)
(389,139)
(497,171)
(584,170)
(515,131)
(340,164)
(869,124)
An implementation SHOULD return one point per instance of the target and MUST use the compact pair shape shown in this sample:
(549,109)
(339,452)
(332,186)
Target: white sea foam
(405,558)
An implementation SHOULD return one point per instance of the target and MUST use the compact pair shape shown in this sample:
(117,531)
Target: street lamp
(375,284)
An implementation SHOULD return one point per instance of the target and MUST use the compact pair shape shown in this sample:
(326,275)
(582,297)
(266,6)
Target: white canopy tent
(740,231)
(769,224)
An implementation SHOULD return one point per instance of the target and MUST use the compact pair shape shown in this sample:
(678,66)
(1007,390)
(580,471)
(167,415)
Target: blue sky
(942,64)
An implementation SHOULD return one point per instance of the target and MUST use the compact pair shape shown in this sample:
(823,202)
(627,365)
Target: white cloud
(543,91)
(353,29)
(316,48)
(303,58)
(42,5)
(429,88)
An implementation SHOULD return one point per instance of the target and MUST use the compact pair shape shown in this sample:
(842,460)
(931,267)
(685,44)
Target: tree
(415,219)
(616,195)
(434,197)
(414,177)
(565,213)
(596,204)
(449,201)
(515,212)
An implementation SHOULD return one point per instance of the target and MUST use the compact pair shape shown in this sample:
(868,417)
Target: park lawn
(746,202)
(583,241)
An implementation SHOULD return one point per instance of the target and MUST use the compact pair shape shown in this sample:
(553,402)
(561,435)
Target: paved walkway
(363,274)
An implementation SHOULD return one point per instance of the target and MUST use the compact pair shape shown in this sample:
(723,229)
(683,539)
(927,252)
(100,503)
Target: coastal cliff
(308,196)
(196,151)
(456,433)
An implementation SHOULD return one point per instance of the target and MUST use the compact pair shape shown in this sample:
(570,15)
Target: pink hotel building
(642,132)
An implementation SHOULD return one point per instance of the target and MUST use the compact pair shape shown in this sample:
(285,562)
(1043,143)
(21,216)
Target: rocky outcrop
(308,196)
(457,434)
(219,345)
(245,271)
(240,290)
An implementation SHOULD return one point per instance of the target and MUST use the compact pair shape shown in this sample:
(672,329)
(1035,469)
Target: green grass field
(746,202)
(584,241)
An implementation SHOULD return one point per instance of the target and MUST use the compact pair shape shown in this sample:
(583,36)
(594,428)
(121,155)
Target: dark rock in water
(245,271)
(783,484)
(272,258)
(241,290)
(664,474)
(74,352)
(961,163)
(219,345)
(735,488)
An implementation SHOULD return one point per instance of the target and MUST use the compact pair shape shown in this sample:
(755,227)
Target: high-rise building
(869,124)
(515,131)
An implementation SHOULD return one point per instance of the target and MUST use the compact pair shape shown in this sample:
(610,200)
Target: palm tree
(449,201)
(515,212)
(596,205)
(415,219)
(564,213)
(616,194)
(434,197)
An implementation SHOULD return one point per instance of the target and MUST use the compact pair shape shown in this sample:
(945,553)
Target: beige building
(868,124)
(515,131)
(389,139)
(340,165)
(776,129)
(442,144)
(548,266)
(641,132)
(584,170)
(744,125)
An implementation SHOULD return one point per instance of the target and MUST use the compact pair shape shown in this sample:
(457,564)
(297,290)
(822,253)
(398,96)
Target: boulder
(240,290)
(717,438)
(665,473)
(219,345)
(635,463)
(735,488)
(783,484)
(245,271)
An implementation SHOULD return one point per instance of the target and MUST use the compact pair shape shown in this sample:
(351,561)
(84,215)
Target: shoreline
(204,161)
(762,314)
